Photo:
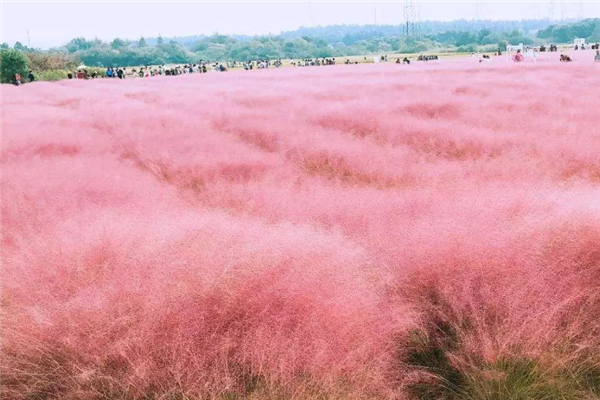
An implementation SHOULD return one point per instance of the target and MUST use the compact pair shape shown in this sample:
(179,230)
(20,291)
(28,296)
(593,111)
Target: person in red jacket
(518,57)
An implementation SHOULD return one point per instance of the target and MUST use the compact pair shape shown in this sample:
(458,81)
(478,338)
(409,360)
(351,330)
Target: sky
(53,23)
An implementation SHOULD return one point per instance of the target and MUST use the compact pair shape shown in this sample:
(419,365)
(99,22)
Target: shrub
(49,61)
(12,62)
(51,75)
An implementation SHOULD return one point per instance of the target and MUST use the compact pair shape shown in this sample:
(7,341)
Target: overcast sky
(55,23)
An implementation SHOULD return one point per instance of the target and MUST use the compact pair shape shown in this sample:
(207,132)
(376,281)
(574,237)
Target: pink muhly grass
(300,233)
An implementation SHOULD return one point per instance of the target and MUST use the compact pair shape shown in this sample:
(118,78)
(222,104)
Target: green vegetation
(221,47)
(12,62)
(446,370)
(51,75)
(505,379)
(588,29)
(330,41)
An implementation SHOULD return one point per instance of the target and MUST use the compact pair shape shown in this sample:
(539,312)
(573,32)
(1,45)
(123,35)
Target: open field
(55,75)
(368,58)
(357,232)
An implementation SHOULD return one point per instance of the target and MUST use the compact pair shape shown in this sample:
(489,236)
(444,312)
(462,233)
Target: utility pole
(410,18)
(551,10)
(375,12)
(563,10)
(580,10)
(536,11)
(480,13)
(28,39)
(478,7)
(418,22)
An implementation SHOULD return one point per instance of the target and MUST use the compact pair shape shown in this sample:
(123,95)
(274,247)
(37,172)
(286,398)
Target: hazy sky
(54,23)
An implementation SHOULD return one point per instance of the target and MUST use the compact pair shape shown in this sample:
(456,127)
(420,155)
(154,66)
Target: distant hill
(350,34)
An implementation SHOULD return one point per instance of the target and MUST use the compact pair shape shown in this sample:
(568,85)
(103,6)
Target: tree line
(318,42)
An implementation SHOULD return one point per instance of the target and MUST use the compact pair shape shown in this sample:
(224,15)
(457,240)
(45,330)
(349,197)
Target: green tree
(142,42)
(4,46)
(465,38)
(12,62)
(80,44)
(160,40)
(118,43)
(595,36)
(588,28)
(19,46)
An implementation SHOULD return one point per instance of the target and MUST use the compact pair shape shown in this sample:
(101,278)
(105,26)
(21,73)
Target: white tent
(81,67)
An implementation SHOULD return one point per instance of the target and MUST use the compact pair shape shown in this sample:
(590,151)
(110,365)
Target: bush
(51,75)
(489,48)
(470,48)
(12,62)
(49,61)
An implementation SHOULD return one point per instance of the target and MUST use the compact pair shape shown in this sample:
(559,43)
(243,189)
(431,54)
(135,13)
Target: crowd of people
(202,66)
(423,57)
(144,72)
(551,48)
(311,62)
(582,46)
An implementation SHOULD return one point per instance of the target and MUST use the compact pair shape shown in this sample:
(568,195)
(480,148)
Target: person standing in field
(16,79)
(120,73)
(30,76)
(597,57)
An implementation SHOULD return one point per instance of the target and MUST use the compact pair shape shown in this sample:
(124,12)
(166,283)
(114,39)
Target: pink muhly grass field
(347,232)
